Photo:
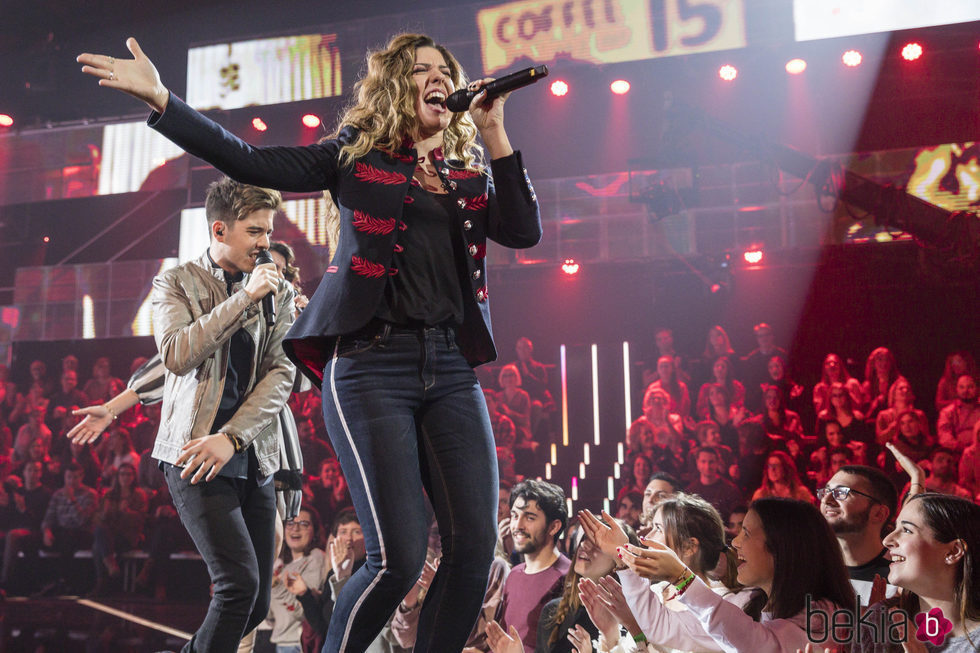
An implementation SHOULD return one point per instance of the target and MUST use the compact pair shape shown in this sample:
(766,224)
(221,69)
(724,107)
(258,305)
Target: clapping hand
(609,538)
(501,642)
(654,562)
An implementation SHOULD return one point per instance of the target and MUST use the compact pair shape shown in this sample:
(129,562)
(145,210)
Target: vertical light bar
(610,487)
(568,504)
(595,392)
(554,453)
(581,470)
(585,454)
(574,492)
(620,459)
(564,398)
(616,471)
(605,505)
(626,384)
(88,318)
(547,471)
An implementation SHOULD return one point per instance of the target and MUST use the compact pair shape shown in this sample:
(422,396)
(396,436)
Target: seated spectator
(957,364)
(84,456)
(504,431)
(25,507)
(328,493)
(680,398)
(900,400)
(655,427)
(34,429)
(880,372)
(629,506)
(102,386)
(566,614)
(777,419)
(911,442)
(957,419)
(538,515)
(779,376)
(727,417)
(636,475)
(707,434)
(514,402)
(301,558)
(8,394)
(943,474)
(843,410)
(754,447)
(119,452)
(969,476)
(754,369)
(664,339)
(661,487)
(67,525)
(313,448)
(61,403)
(534,378)
(711,485)
(119,522)
(934,547)
(723,374)
(835,372)
(782,480)
(716,344)
(858,503)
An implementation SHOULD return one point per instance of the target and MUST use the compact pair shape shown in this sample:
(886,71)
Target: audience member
(844,411)
(504,431)
(301,559)
(25,507)
(957,364)
(661,487)
(328,493)
(534,377)
(727,417)
(880,372)
(900,400)
(755,365)
(538,515)
(944,472)
(776,418)
(859,503)
(67,525)
(629,507)
(102,386)
(782,480)
(835,372)
(711,485)
(680,398)
(514,402)
(722,374)
(650,432)
(119,451)
(969,472)
(119,522)
(957,419)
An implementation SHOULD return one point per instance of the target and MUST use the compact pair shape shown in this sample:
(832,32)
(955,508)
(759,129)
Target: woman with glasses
(300,557)
(782,480)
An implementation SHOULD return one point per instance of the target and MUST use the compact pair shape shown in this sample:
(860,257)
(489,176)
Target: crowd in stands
(755,499)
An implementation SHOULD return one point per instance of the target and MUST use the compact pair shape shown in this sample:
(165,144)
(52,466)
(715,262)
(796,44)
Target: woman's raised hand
(137,77)
(607,538)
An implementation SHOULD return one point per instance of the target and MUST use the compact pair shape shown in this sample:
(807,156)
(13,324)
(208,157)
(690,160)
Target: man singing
(227,379)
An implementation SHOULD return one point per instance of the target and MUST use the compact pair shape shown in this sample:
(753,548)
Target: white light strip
(620,459)
(605,505)
(88,318)
(595,392)
(616,471)
(547,471)
(585,454)
(581,471)
(134,619)
(554,453)
(611,488)
(626,385)
(568,503)
(574,491)
(564,399)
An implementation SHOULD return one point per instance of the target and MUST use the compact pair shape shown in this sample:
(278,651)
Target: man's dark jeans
(232,522)
(405,411)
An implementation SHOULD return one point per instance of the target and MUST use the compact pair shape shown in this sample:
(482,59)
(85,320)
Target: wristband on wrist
(639,638)
(235,442)
(684,584)
(110,411)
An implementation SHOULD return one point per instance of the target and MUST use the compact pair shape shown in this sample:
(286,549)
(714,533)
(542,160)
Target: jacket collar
(216,271)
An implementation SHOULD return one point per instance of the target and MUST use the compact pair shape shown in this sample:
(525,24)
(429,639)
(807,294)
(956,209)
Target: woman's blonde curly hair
(384,111)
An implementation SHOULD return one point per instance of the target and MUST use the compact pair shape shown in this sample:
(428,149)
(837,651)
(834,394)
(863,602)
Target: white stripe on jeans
(374,513)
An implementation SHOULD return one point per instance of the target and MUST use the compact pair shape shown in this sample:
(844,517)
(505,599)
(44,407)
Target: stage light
(47,239)
(911,51)
(753,256)
(259,125)
(559,88)
(852,58)
(570,267)
(795,66)
(311,120)
(728,72)
(5,120)
(620,87)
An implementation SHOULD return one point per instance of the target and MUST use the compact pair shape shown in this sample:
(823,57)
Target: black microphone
(269,301)
(460,100)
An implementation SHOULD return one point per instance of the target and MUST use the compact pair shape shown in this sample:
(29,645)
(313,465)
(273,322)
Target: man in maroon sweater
(538,515)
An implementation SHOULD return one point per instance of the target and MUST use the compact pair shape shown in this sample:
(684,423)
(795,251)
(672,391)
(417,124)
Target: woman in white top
(785,548)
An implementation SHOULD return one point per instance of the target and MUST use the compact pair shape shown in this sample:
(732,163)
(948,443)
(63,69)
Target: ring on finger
(112,75)
(112,60)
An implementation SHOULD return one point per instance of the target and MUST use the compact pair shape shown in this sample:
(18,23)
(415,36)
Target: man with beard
(858,504)
(538,515)
(956,421)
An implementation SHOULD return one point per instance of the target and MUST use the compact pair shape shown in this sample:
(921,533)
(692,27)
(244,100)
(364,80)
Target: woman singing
(400,316)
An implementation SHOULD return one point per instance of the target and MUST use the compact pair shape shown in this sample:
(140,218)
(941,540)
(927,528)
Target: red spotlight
(47,239)
(259,125)
(620,87)
(311,120)
(795,66)
(911,51)
(852,58)
(5,120)
(570,267)
(753,255)
(728,72)
(559,88)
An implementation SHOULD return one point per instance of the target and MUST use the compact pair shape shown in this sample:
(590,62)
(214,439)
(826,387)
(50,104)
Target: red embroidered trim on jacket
(481,251)
(367,268)
(372,175)
(476,203)
(372,225)
(398,249)
(409,199)
(408,158)
(463,174)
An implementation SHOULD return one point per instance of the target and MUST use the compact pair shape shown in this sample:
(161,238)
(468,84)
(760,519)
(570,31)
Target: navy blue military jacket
(371,196)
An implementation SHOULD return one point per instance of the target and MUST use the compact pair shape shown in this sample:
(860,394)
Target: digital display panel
(821,19)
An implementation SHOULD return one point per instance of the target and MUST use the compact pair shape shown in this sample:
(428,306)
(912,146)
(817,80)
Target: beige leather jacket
(193,321)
